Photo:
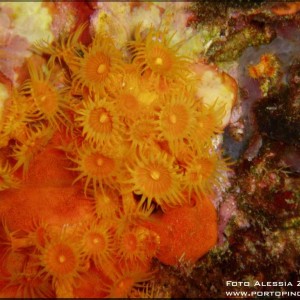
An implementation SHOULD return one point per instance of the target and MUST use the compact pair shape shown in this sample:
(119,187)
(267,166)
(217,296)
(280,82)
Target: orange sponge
(186,232)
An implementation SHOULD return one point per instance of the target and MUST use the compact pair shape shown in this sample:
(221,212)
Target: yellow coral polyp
(132,242)
(106,202)
(61,260)
(156,55)
(66,48)
(141,133)
(96,166)
(48,100)
(100,66)
(97,243)
(100,122)
(29,285)
(37,139)
(156,179)
(177,120)
(16,118)
(123,282)
(7,179)
(209,123)
(128,98)
(204,173)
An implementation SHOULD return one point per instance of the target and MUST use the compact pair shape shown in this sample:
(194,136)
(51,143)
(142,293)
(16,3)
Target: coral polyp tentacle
(37,140)
(209,122)
(7,178)
(204,173)
(63,49)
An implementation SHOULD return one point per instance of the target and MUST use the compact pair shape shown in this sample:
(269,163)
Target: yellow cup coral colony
(127,127)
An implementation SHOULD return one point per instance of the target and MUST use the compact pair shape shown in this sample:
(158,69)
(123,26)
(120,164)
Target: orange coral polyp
(141,133)
(131,241)
(174,121)
(99,165)
(177,120)
(49,101)
(62,49)
(156,54)
(15,117)
(125,280)
(106,202)
(156,179)
(97,243)
(97,67)
(203,174)
(96,166)
(37,139)
(45,97)
(99,120)
(128,103)
(160,59)
(209,123)
(100,66)
(60,260)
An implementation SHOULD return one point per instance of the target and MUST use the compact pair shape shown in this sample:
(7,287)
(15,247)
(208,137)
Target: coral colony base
(108,160)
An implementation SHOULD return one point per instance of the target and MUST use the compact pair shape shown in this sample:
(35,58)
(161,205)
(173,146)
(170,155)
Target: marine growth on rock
(108,159)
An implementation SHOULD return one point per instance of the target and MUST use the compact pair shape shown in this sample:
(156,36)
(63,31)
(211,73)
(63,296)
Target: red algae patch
(186,233)
(48,193)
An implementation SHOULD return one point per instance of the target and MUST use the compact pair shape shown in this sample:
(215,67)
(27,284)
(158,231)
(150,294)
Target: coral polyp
(123,282)
(97,243)
(203,173)
(48,101)
(16,118)
(155,54)
(156,178)
(209,122)
(96,166)
(128,98)
(99,66)
(100,122)
(177,120)
(106,202)
(61,260)
(142,134)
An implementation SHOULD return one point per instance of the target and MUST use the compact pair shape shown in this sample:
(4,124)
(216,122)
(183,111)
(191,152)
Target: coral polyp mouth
(160,60)
(97,68)
(61,260)
(99,165)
